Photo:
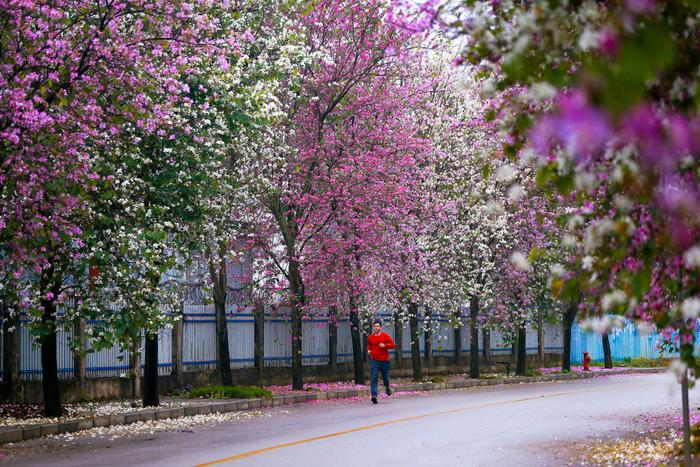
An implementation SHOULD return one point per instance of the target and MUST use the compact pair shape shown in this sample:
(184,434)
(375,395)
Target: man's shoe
(374,400)
(388,391)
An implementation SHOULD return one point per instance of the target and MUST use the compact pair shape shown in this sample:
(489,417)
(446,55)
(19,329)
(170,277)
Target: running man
(378,345)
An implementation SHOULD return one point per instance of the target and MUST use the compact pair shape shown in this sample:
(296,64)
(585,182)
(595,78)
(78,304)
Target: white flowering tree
(472,182)
(175,197)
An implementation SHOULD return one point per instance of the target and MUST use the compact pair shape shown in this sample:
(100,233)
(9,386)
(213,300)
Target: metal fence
(199,344)
(627,342)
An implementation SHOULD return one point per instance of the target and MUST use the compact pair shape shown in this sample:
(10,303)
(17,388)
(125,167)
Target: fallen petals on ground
(315,387)
(653,439)
(31,414)
(579,369)
(382,396)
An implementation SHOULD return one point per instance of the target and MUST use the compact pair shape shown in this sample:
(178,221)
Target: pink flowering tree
(327,139)
(70,83)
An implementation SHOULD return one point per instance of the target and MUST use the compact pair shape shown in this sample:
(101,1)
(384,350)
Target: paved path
(507,425)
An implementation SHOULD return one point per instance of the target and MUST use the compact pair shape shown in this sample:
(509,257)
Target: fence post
(79,364)
(259,338)
(177,342)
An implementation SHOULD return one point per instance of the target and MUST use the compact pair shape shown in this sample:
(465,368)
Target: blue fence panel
(199,344)
(344,342)
(627,342)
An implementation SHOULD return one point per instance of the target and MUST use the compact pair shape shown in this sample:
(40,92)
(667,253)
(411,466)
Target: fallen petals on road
(317,387)
(31,414)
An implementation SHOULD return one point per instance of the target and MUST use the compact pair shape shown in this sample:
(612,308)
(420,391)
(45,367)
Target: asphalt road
(508,425)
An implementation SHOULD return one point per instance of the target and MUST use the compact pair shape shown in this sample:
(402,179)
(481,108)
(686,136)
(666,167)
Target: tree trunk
(222,351)
(540,340)
(363,338)
(415,342)
(522,350)
(79,366)
(297,308)
(606,351)
(135,368)
(333,339)
(474,337)
(486,345)
(428,339)
(286,218)
(49,352)
(259,338)
(11,353)
(357,350)
(398,338)
(177,342)
(458,344)
(567,323)
(151,398)
(220,291)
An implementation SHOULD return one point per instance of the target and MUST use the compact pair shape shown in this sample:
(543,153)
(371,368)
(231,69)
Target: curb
(23,433)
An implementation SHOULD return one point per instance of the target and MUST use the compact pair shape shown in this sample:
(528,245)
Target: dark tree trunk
(428,338)
(297,308)
(458,344)
(522,350)
(49,382)
(10,352)
(333,338)
(177,346)
(135,355)
(286,217)
(259,338)
(220,291)
(398,338)
(363,338)
(415,342)
(567,323)
(151,397)
(223,355)
(486,345)
(540,341)
(606,351)
(297,356)
(49,352)
(358,362)
(474,337)
(79,363)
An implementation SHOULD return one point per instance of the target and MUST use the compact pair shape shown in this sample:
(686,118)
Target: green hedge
(230,392)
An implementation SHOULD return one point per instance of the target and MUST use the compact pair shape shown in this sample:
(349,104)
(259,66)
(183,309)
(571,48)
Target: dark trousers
(375,367)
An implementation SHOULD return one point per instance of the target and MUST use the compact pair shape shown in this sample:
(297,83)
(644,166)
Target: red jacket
(376,352)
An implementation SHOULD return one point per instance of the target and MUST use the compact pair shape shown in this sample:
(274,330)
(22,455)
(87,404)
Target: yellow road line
(398,420)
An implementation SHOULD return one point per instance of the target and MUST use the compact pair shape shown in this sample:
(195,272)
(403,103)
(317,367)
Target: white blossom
(690,308)
(520,261)
(613,299)
(692,257)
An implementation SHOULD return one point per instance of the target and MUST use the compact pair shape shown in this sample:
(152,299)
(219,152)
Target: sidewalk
(17,433)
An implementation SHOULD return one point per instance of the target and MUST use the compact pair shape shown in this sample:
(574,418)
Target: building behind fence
(199,344)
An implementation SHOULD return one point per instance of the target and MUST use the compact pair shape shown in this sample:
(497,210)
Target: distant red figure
(586,361)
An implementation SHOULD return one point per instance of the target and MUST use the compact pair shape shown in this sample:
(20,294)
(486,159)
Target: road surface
(507,425)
